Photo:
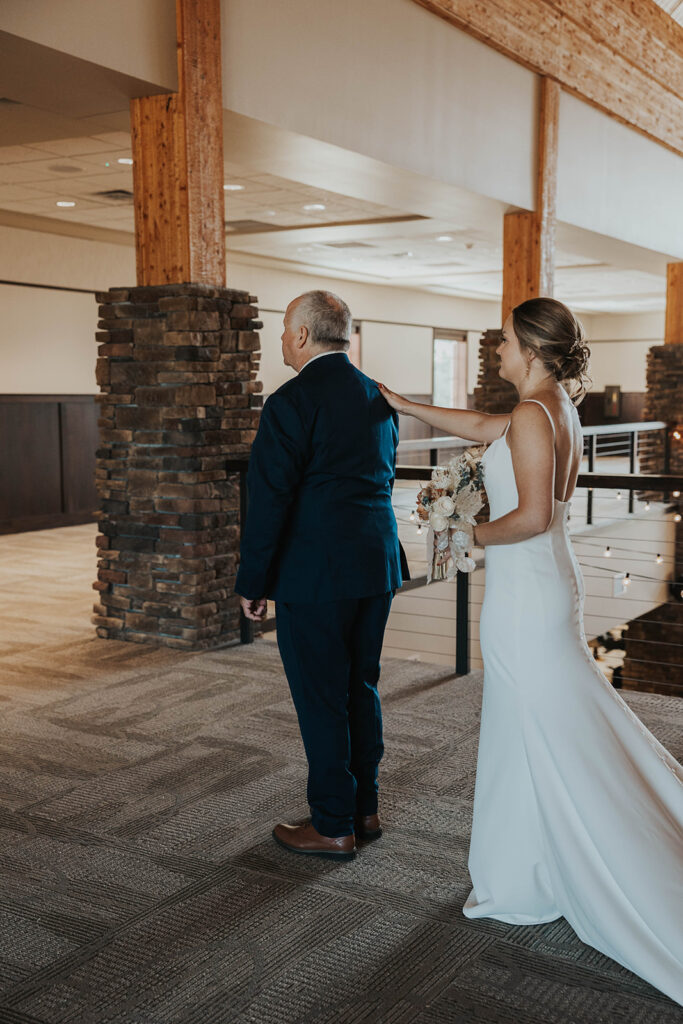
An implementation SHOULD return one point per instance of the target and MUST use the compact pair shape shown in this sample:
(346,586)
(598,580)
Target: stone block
(248,341)
(193,321)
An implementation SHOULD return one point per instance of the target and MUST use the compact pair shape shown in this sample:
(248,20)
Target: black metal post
(462,623)
(433,456)
(592,447)
(246,625)
(667,458)
(631,464)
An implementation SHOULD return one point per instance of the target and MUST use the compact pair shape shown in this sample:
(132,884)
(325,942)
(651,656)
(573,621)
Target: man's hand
(254,608)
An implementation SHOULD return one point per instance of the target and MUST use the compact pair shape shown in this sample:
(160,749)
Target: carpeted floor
(138,880)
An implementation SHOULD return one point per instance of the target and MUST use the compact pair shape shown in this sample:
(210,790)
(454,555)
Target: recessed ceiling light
(65,202)
(314,206)
(125,160)
(233,188)
(444,238)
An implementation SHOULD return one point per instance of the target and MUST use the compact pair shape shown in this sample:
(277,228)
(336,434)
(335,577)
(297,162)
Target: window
(449,382)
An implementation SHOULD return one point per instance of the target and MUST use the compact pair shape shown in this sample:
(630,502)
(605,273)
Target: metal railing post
(592,448)
(462,623)
(246,625)
(631,464)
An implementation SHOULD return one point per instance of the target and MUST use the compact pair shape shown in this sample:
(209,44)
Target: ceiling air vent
(349,245)
(244,226)
(117,195)
(64,169)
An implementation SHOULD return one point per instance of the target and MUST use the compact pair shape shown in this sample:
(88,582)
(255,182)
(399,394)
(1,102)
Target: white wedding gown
(578,809)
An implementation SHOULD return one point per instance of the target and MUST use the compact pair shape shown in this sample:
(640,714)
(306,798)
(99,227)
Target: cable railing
(627,533)
(632,564)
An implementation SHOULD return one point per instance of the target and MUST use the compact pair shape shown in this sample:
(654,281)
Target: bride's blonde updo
(550,330)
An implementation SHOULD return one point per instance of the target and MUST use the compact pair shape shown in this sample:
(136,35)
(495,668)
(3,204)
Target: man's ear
(303,337)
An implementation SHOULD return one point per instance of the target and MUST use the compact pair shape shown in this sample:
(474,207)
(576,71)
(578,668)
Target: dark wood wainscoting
(592,409)
(47,461)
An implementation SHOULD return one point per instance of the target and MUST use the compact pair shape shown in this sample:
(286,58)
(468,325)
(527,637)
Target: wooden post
(529,236)
(673,328)
(178,161)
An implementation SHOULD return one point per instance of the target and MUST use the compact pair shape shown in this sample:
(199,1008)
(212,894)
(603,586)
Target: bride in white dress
(578,809)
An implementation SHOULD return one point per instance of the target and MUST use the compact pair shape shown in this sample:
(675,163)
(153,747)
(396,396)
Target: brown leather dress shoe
(368,827)
(305,839)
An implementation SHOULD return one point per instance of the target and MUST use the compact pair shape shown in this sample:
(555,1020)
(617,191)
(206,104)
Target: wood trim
(673,326)
(47,522)
(14,399)
(626,59)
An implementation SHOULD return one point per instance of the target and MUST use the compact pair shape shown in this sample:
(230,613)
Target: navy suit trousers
(330,651)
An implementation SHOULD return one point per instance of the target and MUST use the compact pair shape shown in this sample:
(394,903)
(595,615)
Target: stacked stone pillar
(663,401)
(492,393)
(177,372)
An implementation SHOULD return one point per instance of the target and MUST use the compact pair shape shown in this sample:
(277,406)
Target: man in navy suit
(320,540)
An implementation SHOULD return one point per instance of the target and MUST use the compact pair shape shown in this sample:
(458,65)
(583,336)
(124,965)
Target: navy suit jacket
(320,524)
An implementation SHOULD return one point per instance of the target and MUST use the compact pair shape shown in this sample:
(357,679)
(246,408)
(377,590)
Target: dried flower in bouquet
(450,503)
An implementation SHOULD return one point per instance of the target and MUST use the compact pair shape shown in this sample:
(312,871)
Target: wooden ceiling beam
(626,59)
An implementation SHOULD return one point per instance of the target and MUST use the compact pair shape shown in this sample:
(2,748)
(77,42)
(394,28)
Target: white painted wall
(47,336)
(136,37)
(616,182)
(389,80)
(619,344)
(398,355)
(619,362)
(47,342)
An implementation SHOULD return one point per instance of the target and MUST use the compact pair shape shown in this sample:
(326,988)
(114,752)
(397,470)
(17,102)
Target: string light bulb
(412,517)
(618,495)
(647,506)
(659,559)
(676,494)
(608,553)
(677,434)
(627,579)
(677,517)
(419,529)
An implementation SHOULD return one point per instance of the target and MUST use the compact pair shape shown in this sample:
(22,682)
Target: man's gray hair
(327,317)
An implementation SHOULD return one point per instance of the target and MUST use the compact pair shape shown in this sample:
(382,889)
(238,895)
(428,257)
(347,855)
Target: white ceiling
(351,237)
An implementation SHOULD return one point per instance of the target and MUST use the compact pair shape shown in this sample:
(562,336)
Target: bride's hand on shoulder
(397,402)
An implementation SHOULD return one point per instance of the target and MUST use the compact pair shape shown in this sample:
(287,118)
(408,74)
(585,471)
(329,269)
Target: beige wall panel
(47,342)
(619,362)
(616,182)
(273,370)
(135,37)
(442,104)
(399,356)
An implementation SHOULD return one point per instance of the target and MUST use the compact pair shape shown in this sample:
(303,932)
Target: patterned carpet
(138,880)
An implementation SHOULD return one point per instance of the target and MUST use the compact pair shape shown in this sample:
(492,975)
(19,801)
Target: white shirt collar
(331,352)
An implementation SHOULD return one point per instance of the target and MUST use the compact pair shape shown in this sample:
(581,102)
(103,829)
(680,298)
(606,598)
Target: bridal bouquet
(449,503)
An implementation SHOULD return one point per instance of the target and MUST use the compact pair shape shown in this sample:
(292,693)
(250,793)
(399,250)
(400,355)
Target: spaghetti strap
(552,424)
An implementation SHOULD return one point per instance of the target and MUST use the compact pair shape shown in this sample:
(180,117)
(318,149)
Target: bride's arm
(473,426)
(533,458)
